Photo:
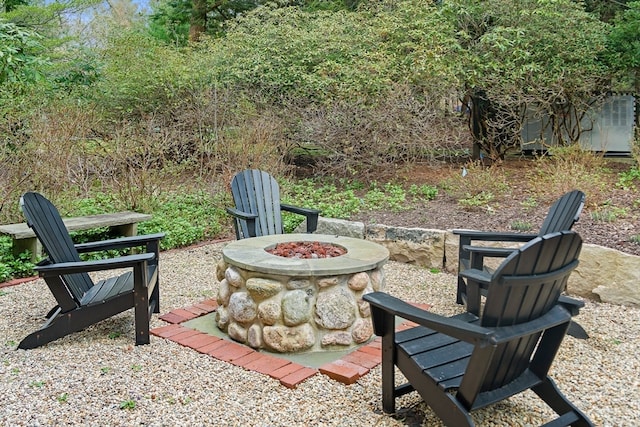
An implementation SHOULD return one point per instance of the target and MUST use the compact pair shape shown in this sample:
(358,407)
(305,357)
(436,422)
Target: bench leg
(126,230)
(31,243)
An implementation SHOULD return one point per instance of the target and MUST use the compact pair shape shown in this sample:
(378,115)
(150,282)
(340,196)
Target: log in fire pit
(298,292)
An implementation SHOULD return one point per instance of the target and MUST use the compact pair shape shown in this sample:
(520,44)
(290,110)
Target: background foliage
(97,99)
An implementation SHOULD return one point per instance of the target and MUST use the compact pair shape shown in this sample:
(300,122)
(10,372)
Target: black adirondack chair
(80,301)
(256,195)
(561,216)
(462,363)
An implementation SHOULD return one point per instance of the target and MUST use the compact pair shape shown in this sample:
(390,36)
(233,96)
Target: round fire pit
(293,303)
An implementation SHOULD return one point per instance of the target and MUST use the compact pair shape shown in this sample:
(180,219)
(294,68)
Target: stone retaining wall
(604,274)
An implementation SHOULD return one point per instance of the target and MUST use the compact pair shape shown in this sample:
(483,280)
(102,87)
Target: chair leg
(473,298)
(461,295)
(57,326)
(63,324)
(142,318)
(155,296)
(443,403)
(50,331)
(549,392)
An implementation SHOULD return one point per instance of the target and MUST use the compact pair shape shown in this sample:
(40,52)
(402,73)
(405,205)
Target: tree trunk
(198,22)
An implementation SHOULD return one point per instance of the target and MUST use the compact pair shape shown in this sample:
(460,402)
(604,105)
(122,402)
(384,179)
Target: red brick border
(14,282)
(346,370)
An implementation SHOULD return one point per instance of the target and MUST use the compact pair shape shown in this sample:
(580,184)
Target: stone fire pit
(292,305)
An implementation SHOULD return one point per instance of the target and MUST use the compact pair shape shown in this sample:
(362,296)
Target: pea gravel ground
(97,377)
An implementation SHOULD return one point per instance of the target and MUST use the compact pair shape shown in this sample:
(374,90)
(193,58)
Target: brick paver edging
(346,370)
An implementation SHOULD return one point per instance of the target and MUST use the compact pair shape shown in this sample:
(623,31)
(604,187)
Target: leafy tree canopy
(327,55)
(624,47)
(173,21)
(538,53)
(21,59)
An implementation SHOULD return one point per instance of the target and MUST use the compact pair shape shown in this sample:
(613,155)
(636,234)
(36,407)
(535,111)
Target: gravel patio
(98,377)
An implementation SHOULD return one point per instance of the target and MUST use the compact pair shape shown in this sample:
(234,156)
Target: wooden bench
(120,223)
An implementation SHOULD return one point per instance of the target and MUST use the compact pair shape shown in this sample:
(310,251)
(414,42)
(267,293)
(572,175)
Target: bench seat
(119,223)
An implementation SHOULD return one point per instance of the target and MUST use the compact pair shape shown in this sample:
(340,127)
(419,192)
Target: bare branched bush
(356,138)
(477,186)
(568,168)
(63,150)
(12,178)
(216,133)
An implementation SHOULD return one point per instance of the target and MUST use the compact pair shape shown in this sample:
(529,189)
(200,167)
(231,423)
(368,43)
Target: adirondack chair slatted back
(563,213)
(45,221)
(257,192)
(529,283)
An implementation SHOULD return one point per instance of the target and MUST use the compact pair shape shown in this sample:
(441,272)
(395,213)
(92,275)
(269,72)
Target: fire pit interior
(307,250)
(298,302)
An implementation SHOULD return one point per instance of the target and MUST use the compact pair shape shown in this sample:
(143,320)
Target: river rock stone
(242,308)
(377,279)
(364,307)
(237,332)
(284,339)
(336,338)
(296,307)
(298,284)
(362,330)
(254,336)
(261,288)
(327,282)
(269,312)
(221,267)
(223,293)
(222,318)
(233,277)
(335,309)
(359,281)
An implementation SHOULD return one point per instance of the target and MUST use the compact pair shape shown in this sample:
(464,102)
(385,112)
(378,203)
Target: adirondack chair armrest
(299,210)
(467,236)
(493,236)
(310,214)
(96,265)
(245,216)
(462,330)
(571,304)
(554,317)
(120,243)
(477,254)
(476,275)
(485,251)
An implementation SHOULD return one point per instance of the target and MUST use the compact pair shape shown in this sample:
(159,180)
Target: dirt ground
(445,213)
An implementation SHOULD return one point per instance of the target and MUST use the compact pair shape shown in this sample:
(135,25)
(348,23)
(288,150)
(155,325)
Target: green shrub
(482,199)
(424,191)
(628,179)
(529,203)
(476,186)
(186,218)
(13,267)
(521,225)
(568,168)
(343,202)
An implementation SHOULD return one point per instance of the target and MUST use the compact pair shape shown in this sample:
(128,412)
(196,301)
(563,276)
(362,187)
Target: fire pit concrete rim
(250,254)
